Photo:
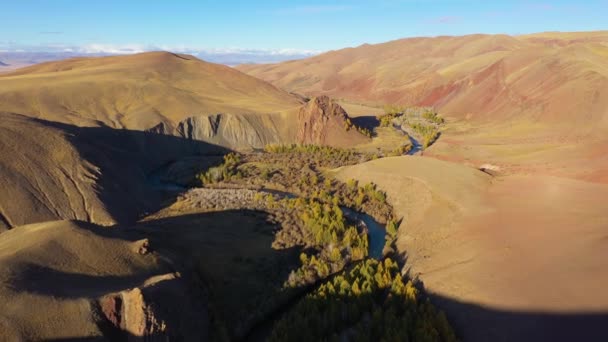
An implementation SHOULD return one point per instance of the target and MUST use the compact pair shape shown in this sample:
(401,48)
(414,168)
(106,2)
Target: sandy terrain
(527,245)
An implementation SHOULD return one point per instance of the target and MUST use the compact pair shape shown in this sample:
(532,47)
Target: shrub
(433,117)
(401,150)
(429,133)
(393,109)
(223,172)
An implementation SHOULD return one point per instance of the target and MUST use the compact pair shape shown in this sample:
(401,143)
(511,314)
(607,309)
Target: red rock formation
(324,122)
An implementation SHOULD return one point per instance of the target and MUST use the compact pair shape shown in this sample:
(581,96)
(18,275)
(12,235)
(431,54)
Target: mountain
(2,64)
(157,90)
(555,78)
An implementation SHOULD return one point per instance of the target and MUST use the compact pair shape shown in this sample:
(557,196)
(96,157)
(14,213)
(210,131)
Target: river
(376,232)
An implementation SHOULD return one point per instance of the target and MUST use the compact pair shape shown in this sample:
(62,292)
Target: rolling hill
(555,78)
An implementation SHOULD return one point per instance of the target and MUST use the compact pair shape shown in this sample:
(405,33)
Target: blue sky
(274,26)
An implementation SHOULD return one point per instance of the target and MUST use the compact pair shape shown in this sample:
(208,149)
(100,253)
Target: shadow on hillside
(232,252)
(125,159)
(477,323)
(370,122)
(47,281)
(487,324)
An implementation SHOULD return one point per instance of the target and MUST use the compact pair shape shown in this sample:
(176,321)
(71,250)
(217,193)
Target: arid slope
(553,78)
(136,91)
(502,252)
(43,177)
(51,171)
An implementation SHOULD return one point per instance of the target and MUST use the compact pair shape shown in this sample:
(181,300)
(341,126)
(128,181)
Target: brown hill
(71,280)
(557,78)
(51,171)
(156,90)
(512,258)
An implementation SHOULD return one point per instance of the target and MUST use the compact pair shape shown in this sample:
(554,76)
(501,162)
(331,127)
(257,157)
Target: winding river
(376,232)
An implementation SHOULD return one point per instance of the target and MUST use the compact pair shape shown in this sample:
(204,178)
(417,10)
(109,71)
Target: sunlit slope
(501,251)
(555,78)
(136,91)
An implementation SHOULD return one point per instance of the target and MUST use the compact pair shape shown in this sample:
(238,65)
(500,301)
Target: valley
(424,189)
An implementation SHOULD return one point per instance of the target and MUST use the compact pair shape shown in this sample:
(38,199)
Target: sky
(272,29)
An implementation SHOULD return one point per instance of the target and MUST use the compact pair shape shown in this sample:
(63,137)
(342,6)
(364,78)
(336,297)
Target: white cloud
(111,49)
(257,52)
(227,55)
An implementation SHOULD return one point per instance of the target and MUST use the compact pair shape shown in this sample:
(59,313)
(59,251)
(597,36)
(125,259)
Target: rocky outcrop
(322,121)
(238,131)
(152,312)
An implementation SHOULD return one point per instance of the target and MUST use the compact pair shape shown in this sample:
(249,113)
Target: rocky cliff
(322,121)
(235,131)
